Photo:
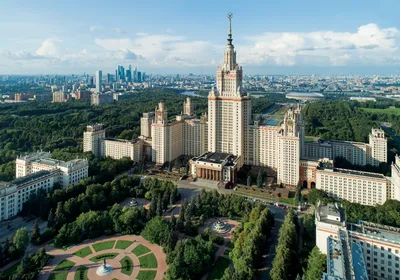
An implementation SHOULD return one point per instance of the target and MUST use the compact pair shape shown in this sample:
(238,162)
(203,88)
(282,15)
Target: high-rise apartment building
(101,98)
(82,94)
(229,107)
(59,96)
(98,80)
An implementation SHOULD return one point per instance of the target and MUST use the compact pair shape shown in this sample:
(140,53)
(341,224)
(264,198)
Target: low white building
(355,186)
(14,194)
(118,148)
(68,173)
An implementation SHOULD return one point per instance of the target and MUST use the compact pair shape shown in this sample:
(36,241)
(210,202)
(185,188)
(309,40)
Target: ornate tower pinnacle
(230,15)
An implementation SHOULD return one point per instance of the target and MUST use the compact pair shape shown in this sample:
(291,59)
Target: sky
(184,36)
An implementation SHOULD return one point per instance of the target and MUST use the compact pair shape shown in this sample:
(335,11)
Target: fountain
(219,227)
(105,269)
(133,203)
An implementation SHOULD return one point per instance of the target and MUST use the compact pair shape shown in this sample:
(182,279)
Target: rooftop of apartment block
(376,231)
(352,172)
(330,213)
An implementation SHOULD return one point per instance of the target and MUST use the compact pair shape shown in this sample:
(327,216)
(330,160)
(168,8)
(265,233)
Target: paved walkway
(60,255)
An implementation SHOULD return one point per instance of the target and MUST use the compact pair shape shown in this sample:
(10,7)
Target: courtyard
(130,256)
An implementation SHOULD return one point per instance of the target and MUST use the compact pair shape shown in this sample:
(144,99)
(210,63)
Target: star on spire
(230,15)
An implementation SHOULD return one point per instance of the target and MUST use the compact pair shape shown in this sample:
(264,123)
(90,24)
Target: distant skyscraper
(135,72)
(109,79)
(121,73)
(139,77)
(143,76)
(116,76)
(98,80)
(128,76)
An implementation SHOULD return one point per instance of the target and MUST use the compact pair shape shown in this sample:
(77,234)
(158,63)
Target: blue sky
(174,36)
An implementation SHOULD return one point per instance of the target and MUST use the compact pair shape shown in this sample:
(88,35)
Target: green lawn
(102,256)
(84,252)
(388,111)
(103,245)
(81,273)
(64,248)
(123,244)
(148,261)
(146,275)
(58,276)
(11,270)
(219,268)
(308,139)
(126,265)
(140,250)
(64,265)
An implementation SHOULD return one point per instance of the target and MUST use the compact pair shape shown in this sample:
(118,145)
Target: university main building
(226,138)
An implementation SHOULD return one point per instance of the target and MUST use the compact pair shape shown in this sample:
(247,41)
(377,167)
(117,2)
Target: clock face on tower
(290,123)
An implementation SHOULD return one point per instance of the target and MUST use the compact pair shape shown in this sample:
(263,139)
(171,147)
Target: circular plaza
(118,257)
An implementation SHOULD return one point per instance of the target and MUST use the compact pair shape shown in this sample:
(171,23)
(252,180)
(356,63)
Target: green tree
(35,236)
(172,197)
(51,219)
(316,195)
(260,179)
(285,251)
(60,218)
(189,259)
(159,209)
(173,221)
(316,264)
(21,239)
(159,231)
(298,197)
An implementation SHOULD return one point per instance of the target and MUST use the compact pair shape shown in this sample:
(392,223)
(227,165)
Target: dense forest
(343,120)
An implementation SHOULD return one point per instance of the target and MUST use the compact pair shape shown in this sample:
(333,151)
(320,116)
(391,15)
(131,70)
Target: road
(390,131)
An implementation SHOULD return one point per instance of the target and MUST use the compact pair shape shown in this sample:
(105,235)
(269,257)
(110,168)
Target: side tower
(289,148)
(93,139)
(378,146)
(187,107)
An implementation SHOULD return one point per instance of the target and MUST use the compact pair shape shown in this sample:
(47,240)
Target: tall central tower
(229,107)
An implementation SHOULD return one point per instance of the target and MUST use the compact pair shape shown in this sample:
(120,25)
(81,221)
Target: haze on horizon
(177,36)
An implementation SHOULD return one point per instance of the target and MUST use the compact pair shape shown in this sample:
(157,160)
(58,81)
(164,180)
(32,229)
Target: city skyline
(179,37)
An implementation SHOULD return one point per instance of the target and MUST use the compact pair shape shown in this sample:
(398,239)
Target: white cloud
(167,50)
(94,28)
(51,48)
(119,30)
(369,44)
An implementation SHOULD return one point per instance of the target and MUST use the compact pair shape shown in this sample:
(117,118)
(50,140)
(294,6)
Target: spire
(230,15)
